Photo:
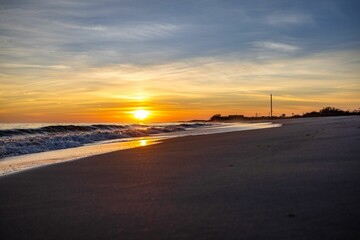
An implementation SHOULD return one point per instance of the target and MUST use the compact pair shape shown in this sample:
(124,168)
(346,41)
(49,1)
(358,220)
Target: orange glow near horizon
(179,91)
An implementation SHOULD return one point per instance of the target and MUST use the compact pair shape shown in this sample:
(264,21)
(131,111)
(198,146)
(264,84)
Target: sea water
(24,146)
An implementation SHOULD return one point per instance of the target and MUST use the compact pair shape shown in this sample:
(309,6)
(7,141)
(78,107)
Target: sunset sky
(99,61)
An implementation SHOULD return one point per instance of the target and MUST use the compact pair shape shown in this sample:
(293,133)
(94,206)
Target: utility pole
(271,110)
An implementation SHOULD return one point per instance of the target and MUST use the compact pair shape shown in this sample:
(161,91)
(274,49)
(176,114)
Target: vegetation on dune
(330,111)
(324,112)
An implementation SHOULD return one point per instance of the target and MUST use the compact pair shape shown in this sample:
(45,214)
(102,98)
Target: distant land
(324,112)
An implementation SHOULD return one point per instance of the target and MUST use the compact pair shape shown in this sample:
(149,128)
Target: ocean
(28,145)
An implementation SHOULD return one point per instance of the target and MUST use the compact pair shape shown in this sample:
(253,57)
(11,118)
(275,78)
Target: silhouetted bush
(330,111)
(324,112)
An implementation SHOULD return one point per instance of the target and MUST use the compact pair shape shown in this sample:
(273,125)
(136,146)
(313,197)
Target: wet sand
(300,181)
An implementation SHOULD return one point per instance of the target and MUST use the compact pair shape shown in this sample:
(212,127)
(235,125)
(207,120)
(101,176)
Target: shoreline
(299,181)
(16,164)
(28,162)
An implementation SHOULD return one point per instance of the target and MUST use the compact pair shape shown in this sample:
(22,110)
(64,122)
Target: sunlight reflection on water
(143,142)
(18,163)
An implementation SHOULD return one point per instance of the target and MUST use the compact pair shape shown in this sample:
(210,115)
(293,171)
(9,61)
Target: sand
(300,181)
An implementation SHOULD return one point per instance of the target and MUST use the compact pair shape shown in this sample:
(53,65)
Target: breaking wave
(19,141)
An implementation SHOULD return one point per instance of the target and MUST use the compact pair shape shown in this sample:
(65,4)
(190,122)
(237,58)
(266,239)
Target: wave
(58,129)
(21,141)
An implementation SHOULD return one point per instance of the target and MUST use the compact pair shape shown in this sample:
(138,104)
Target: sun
(141,114)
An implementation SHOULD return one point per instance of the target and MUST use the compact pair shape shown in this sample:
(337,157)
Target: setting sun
(141,114)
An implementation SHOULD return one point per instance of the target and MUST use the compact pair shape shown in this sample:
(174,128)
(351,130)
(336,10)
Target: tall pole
(271,110)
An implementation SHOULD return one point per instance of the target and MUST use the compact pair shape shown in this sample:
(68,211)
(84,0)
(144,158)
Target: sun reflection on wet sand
(143,142)
(23,162)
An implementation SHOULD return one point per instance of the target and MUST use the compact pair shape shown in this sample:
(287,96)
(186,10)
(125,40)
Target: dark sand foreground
(300,181)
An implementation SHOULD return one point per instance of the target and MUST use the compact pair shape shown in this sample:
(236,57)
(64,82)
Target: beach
(298,181)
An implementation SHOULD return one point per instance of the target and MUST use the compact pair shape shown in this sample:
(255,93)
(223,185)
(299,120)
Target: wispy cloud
(98,28)
(28,23)
(144,31)
(138,31)
(32,40)
(276,46)
(288,18)
(15,65)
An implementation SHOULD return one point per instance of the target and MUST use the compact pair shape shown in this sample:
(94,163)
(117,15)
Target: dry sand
(300,181)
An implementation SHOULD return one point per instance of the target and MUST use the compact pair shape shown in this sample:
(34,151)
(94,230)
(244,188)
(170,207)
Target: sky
(99,61)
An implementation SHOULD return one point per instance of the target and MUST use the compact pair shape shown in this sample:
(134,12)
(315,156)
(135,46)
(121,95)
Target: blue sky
(133,31)
(203,54)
